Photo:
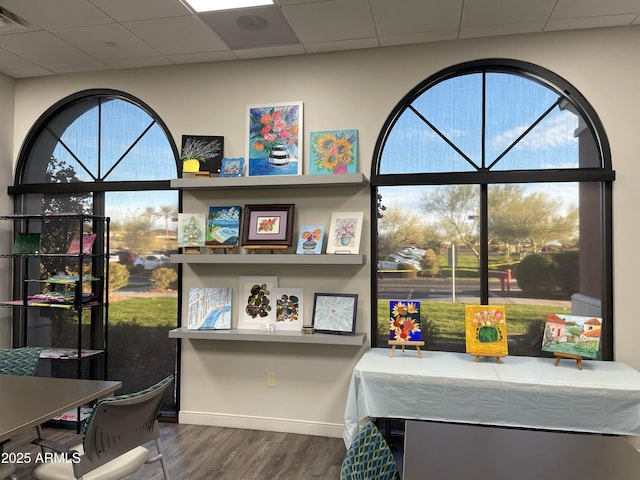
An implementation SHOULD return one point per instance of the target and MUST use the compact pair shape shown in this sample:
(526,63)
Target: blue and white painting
(209,308)
(223,226)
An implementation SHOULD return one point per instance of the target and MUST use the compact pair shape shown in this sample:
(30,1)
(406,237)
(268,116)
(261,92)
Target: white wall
(7,95)
(226,384)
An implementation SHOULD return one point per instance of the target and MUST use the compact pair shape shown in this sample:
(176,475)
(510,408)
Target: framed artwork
(232,167)
(333,152)
(27,243)
(268,225)
(223,226)
(289,308)
(572,334)
(274,139)
(201,153)
(191,229)
(404,321)
(486,330)
(344,232)
(256,306)
(209,308)
(335,313)
(310,240)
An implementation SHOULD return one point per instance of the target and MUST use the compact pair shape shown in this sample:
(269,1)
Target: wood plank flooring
(206,453)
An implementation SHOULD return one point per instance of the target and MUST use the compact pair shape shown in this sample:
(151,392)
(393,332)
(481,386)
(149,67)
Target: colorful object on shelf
(191,229)
(87,243)
(201,153)
(232,167)
(404,321)
(333,152)
(26,243)
(310,240)
(223,226)
(344,233)
(486,330)
(256,304)
(209,308)
(572,335)
(289,308)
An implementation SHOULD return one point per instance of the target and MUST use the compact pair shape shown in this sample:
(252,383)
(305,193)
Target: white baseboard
(268,424)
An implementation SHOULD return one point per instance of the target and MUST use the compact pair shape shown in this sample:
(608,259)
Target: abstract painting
(572,335)
(274,139)
(486,330)
(209,309)
(333,152)
(289,308)
(256,304)
(223,226)
(191,229)
(404,321)
(335,313)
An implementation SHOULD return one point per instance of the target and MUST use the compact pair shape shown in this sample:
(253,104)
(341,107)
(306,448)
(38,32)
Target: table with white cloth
(527,392)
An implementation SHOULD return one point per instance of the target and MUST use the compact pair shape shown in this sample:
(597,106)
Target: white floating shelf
(283,336)
(283,181)
(268,259)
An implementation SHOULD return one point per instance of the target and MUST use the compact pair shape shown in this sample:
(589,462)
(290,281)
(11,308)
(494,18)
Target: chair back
(369,457)
(19,361)
(119,424)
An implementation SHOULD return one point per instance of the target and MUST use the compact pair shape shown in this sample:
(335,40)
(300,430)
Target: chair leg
(162,458)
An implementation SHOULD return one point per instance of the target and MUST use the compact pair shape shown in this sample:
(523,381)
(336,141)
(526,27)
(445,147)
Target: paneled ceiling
(52,37)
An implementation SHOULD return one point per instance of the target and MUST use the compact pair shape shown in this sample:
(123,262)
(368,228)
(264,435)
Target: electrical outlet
(271,379)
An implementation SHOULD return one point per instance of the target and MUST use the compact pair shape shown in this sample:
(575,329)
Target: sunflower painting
(333,152)
(404,321)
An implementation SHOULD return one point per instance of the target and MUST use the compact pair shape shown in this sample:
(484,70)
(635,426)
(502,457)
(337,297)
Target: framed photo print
(201,153)
(344,232)
(274,139)
(256,304)
(335,313)
(267,225)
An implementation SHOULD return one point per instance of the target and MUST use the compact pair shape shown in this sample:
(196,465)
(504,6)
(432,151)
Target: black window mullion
(484,244)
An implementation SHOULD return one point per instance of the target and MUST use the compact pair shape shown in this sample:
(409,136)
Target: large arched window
(104,152)
(493,186)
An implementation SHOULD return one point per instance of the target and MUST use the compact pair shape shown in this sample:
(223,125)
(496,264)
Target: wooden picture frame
(335,313)
(268,225)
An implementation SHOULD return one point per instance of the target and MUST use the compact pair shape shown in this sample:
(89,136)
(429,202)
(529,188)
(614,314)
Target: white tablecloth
(603,397)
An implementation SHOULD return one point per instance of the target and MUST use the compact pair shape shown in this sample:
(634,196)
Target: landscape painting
(209,309)
(223,226)
(486,330)
(404,321)
(572,335)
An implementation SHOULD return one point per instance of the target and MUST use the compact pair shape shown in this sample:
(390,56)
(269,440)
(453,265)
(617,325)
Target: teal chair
(113,440)
(16,361)
(369,457)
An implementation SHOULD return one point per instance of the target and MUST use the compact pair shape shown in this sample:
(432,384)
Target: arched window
(104,152)
(493,185)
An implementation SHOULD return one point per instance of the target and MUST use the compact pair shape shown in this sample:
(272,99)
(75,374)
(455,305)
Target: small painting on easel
(404,325)
(486,331)
(572,335)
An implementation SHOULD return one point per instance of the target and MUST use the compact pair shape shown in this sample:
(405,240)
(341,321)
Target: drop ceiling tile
(175,36)
(479,13)
(28,72)
(42,48)
(408,39)
(54,14)
(251,27)
(202,57)
(328,21)
(341,45)
(278,51)
(123,63)
(78,67)
(128,10)
(415,16)
(594,8)
(106,42)
(591,22)
(9,61)
(508,29)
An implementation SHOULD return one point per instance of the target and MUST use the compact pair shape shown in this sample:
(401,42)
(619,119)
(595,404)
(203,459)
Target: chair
(113,440)
(7,471)
(19,361)
(369,457)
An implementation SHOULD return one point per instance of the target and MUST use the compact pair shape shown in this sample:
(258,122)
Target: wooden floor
(216,453)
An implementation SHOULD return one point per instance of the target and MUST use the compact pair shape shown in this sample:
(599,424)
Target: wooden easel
(497,357)
(395,343)
(577,358)
(224,248)
(191,250)
(273,248)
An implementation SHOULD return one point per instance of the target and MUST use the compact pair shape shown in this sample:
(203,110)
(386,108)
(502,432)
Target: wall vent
(12,23)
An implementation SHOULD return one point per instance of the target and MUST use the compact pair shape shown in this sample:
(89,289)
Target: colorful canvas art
(289,308)
(201,153)
(310,240)
(404,321)
(256,301)
(223,226)
(344,233)
(486,330)
(572,334)
(274,143)
(191,229)
(333,152)
(209,309)
(26,243)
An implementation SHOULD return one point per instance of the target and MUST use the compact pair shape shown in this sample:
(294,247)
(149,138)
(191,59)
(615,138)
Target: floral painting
(344,233)
(404,321)
(289,308)
(310,241)
(333,152)
(572,335)
(201,153)
(191,229)
(223,226)
(486,330)
(274,143)
(209,309)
